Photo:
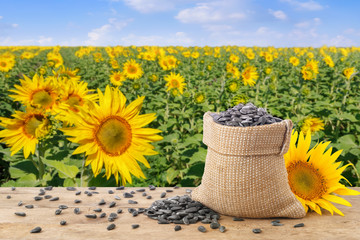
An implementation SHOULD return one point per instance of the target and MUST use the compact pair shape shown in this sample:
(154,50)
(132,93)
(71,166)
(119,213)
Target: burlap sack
(245,174)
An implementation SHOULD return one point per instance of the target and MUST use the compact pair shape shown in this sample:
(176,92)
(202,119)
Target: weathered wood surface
(79,227)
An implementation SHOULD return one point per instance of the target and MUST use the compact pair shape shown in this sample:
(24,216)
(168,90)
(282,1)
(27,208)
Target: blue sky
(279,23)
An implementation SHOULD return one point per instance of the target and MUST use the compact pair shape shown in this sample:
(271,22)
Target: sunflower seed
(214,225)
(21,214)
(152,187)
(77,201)
(135,213)
(117,197)
(276,224)
(132,202)
(176,187)
(148,197)
(144,194)
(38,198)
(63,207)
(20,203)
(169,190)
(13,188)
(177,228)
(111,192)
(128,195)
(134,226)
(47,196)
(91,216)
(120,188)
(41,193)
(77,210)
(186,220)
(163,221)
(89,194)
(188,190)
(111,227)
(140,190)
(222,229)
(70,188)
(256,230)
(36,230)
(202,229)
(102,202)
(78,193)
(63,222)
(131,210)
(299,225)
(97,210)
(132,192)
(119,211)
(238,219)
(54,199)
(58,211)
(30,206)
(112,204)
(48,188)
(113,215)
(206,220)
(163,194)
(92,188)
(102,215)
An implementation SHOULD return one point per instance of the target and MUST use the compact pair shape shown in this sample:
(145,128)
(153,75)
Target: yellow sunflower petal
(336,199)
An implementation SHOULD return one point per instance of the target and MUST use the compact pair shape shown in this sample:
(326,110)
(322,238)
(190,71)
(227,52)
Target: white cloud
(39,41)
(1,17)
(341,41)
(311,23)
(278,14)
(104,35)
(217,27)
(148,6)
(210,12)
(309,5)
(177,39)
(14,25)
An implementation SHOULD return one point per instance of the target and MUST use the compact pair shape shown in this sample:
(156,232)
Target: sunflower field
(68,113)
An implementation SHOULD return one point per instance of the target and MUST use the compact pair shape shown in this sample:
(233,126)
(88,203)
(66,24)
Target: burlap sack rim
(280,129)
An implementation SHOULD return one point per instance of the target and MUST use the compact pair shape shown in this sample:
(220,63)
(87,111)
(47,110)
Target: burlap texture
(245,174)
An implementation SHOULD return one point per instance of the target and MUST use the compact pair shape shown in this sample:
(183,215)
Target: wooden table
(79,227)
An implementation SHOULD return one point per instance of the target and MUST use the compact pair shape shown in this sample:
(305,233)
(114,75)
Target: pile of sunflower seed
(181,210)
(244,116)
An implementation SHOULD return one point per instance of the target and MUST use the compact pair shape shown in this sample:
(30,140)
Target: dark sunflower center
(306,181)
(32,123)
(174,83)
(132,69)
(42,98)
(114,135)
(3,64)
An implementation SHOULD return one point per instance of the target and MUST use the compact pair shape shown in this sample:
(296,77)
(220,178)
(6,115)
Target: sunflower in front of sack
(314,176)
(112,135)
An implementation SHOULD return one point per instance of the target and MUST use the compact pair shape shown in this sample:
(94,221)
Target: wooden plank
(79,227)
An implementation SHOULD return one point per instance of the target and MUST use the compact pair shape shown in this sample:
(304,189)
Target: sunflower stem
(41,163)
(82,171)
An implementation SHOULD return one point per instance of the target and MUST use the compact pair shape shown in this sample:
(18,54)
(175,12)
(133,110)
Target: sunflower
(233,85)
(233,70)
(24,130)
(153,78)
(132,69)
(312,125)
(314,175)
(168,62)
(67,73)
(233,58)
(74,95)
(294,61)
(239,98)
(116,78)
(175,81)
(38,92)
(249,75)
(112,135)
(55,59)
(328,60)
(6,64)
(199,97)
(348,72)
